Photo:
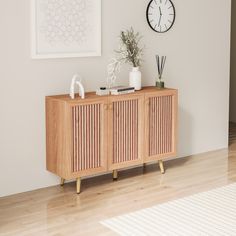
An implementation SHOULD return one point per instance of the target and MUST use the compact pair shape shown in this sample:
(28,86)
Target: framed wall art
(65,28)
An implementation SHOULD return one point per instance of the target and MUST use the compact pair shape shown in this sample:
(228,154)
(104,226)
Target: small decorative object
(103,91)
(160,15)
(119,90)
(62,28)
(131,52)
(76,80)
(160,66)
(112,69)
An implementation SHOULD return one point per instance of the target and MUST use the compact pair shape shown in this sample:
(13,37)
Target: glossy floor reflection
(60,211)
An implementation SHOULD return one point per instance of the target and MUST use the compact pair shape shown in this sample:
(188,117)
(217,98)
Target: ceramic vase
(135,78)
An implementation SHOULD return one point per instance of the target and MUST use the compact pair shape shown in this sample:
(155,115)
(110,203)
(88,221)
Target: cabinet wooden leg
(161,167)
(62,182)
(78,185)
(115,175)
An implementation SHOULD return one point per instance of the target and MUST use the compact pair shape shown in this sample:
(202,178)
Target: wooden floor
(59,211)
(232,133)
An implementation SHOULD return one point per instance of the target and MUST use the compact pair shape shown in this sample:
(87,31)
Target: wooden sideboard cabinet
(107,133)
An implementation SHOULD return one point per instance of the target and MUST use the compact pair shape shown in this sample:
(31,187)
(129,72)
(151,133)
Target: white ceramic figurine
(76,80)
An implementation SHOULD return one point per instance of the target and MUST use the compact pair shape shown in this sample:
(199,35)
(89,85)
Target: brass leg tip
(78,186)
(115,175)
(161,165)
(62,182)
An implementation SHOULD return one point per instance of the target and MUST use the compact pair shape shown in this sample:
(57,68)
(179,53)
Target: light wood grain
(64,128)
(59,211)
(126,126)
(161,125)
(58,138)
(93,97)
(89,139)
(93,135)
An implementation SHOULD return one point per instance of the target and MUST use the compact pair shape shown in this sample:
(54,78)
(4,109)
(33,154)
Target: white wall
(197,49)
(232,110)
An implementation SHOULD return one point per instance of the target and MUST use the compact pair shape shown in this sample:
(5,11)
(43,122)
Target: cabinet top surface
(92,95)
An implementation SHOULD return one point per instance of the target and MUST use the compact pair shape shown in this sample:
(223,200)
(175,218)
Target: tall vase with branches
(131,52)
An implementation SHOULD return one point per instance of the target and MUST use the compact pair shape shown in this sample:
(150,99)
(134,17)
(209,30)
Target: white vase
(135,78)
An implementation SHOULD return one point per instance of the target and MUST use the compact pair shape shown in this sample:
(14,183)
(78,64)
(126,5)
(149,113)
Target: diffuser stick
(161,61)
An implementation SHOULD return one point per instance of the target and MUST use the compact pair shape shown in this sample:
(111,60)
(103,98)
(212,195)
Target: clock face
(161,15)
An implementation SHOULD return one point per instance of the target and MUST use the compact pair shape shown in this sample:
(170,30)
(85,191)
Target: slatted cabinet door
(89,138)
(125,131)
(161,125)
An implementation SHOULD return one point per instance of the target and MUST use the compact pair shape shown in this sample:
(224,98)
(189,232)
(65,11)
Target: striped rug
(211,213)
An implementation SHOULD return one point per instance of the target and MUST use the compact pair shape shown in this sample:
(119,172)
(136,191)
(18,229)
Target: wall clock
(160,15)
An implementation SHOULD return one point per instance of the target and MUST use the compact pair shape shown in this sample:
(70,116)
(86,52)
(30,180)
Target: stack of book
(121,90)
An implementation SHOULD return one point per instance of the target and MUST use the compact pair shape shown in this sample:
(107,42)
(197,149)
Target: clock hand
(160,17)
(159,21)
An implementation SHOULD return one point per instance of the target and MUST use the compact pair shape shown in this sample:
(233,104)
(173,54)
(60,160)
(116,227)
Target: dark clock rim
(161,32)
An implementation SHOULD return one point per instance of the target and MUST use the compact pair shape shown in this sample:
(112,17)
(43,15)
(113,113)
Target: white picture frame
(60,31)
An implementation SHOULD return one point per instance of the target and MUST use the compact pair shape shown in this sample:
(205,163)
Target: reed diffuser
(161,61)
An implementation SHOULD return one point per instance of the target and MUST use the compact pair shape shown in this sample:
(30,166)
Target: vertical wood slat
(160,125)
(125,133)
(86,137)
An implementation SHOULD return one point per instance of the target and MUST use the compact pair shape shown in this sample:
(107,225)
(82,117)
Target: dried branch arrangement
(129,49)
(113,69)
